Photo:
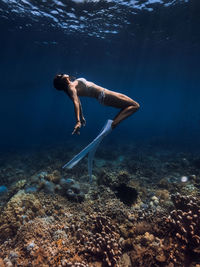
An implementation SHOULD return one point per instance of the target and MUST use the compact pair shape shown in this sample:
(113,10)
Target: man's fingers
(76,130)
(83,122)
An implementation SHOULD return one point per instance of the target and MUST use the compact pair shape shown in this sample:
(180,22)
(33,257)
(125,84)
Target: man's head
(61,81)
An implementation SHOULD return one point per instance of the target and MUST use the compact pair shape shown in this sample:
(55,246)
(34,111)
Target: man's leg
(125,113)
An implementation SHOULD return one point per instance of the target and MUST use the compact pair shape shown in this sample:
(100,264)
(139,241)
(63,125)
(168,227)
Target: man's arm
(77,110)
(83,121)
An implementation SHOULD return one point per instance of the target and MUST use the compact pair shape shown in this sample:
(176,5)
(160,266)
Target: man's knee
(135,105)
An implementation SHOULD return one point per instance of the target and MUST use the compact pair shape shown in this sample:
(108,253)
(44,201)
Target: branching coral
(102,242)
(185,220)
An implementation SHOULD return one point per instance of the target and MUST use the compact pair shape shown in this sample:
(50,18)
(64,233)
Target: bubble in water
(184,179)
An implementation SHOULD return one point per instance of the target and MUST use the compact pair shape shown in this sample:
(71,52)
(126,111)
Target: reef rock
(21,208)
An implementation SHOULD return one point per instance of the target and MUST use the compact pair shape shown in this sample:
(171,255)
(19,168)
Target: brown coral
(185,220)
(102,242)
(20,208)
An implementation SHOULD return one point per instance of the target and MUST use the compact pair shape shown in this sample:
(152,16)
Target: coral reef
(185,221)
(113,179)
(20,209)
(129,216)
(102,242)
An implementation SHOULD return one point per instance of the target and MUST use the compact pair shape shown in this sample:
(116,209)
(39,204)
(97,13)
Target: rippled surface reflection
(101,18)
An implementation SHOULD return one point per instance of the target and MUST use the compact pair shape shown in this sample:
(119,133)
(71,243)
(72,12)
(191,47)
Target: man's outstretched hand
(77,128)
(83,121)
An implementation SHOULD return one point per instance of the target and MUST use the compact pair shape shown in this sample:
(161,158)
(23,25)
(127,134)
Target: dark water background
(151,52)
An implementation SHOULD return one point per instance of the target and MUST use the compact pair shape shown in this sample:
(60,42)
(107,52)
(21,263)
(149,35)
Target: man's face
(66,77)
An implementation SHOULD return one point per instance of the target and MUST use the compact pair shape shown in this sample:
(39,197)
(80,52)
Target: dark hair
(59,83)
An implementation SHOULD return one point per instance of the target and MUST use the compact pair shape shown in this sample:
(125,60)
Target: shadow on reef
(126,194)
(119,183)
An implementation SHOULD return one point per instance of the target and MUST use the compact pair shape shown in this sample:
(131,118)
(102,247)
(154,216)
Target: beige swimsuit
(101,95)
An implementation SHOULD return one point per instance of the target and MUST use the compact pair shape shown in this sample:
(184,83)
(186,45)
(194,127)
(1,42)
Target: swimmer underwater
(83,88)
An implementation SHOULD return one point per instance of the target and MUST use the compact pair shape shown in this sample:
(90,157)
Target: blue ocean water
(149,50)
(139,205)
